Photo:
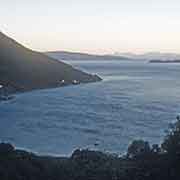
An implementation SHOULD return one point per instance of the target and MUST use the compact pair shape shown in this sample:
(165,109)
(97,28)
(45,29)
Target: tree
(6,148)
(137,148)
(156,148)
(171,142)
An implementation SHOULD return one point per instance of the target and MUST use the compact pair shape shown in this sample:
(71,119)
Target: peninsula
(22,69)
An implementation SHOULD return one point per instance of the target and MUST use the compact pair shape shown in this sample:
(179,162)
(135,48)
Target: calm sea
(135,100)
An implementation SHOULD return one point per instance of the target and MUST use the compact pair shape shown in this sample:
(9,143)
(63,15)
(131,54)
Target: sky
(93,26)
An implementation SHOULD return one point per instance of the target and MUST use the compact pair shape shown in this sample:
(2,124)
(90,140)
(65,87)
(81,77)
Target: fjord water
(135,100)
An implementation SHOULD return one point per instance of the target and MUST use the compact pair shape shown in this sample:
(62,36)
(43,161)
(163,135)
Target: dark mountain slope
(22,69)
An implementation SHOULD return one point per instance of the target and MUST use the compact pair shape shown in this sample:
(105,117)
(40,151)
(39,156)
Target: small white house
(63,81)
(1,86)
(75,82)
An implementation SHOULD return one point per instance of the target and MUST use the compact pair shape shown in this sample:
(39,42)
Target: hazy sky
(95,26)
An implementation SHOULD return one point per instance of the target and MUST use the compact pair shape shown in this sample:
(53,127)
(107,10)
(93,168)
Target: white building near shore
(76,82)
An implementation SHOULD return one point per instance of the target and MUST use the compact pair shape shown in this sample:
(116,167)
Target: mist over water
(135,100)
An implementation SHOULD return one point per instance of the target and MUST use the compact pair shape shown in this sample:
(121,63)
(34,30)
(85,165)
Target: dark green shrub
(171,142)
(137,148)
(6,148)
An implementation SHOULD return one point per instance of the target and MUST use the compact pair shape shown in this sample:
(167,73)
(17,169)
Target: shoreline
(7,92)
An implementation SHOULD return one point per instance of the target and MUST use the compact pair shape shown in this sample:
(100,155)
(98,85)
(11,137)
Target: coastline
(23,69)
(7,92)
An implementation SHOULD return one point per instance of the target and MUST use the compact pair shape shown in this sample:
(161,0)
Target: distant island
(151,56)
(164,61)
(22,69)
(64,55)
(154,57)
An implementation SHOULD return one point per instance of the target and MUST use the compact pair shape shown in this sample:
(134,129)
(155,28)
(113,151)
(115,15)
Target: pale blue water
(135,100)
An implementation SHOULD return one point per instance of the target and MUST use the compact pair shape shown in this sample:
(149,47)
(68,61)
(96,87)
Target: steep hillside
(22,69)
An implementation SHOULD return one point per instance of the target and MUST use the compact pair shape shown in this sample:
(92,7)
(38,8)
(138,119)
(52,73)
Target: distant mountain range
(64,55)
(22,69)
(151,56)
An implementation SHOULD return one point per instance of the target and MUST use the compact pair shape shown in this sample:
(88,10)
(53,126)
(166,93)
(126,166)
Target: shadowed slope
(23,69)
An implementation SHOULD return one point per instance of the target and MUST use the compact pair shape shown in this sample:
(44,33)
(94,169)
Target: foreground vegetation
(142,162)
